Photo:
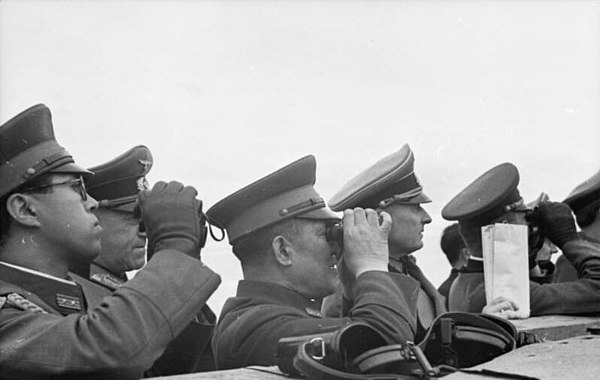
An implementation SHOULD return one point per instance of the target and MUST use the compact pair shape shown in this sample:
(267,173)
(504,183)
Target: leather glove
(557,222)
(170,214)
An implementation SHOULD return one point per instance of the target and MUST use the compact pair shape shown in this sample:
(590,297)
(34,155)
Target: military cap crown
(283,194)
(585,193)
(392,177)
(490,196)
(29,149)
(116,183)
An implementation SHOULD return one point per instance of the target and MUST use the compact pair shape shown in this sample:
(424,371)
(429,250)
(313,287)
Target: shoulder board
(107,280)
(17,301)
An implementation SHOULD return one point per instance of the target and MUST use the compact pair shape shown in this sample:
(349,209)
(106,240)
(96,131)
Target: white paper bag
(505,264)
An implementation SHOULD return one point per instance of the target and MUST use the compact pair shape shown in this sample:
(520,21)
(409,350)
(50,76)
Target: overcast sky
(224,93)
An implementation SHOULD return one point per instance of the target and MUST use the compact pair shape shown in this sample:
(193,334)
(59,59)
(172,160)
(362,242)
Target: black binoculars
(535,234)
(335,233)
(204,224)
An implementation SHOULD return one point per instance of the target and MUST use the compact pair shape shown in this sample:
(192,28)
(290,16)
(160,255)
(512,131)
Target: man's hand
(502,307)
(365,241)
(557,222)
(170,213)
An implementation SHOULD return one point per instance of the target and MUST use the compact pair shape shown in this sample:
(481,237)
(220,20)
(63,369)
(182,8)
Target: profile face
(408,224)
(123,244)
(67,222)
(314,268)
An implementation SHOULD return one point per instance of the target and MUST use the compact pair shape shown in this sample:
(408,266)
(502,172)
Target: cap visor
(72,168)
(421,198)
(323,213)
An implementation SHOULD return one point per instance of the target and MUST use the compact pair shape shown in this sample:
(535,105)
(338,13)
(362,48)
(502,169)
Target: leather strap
(313,370)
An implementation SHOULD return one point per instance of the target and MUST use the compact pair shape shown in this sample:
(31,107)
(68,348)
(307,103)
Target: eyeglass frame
(80,188)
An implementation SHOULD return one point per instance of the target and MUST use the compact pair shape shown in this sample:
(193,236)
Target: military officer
(391,185)
(116,185)
(494,198)
(48,226)
(277,227)
(584,200)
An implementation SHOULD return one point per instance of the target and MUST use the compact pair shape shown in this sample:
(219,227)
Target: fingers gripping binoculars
(204,221)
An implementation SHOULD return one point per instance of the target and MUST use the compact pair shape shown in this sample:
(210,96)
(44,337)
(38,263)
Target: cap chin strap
(212,224)
(113,203)
(399,198)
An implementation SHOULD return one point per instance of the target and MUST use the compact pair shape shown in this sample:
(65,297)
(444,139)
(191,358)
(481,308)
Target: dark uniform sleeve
(383,300)
(575,297)
(190,351)
(120,337)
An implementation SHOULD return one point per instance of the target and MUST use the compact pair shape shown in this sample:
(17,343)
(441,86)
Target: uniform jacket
(564,271)
(444,288)
(429,305)
(189,352)
(119,338)
(576,297)
(252,323)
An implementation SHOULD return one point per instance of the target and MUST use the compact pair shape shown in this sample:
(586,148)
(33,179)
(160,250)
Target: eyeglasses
(77,184)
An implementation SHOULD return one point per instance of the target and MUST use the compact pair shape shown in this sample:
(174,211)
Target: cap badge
(142,184)
(146,164)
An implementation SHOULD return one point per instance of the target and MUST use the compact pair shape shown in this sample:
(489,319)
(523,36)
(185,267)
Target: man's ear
(22,209)
(282,250)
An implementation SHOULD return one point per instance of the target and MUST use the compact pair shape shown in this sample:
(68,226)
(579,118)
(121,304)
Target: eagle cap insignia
(146,164)
(142,184)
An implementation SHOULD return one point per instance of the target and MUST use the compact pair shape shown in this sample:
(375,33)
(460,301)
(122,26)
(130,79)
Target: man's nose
(90,203)
(426,217)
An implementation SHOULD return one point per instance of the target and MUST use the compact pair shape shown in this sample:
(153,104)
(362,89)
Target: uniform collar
(473,266)
(273,293)
(62,295)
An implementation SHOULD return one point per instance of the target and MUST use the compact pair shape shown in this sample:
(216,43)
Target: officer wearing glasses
(47,326)
(391,185)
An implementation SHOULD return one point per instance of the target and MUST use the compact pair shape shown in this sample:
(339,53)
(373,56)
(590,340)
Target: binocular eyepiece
(535,234)
(335,233)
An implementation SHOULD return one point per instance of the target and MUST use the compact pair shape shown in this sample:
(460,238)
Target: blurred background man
(455,251)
